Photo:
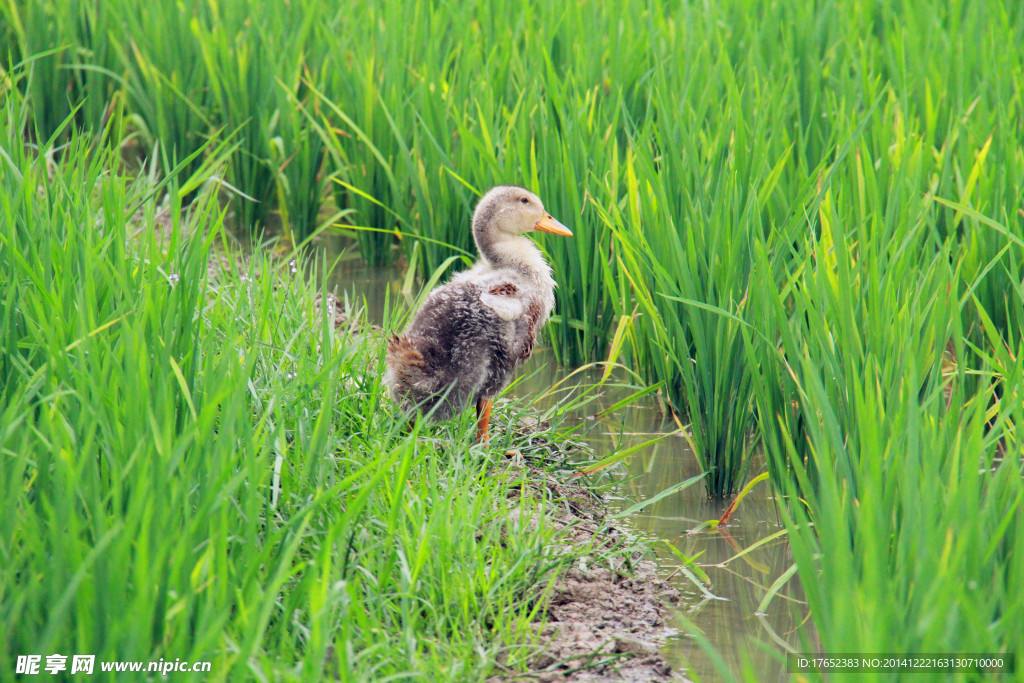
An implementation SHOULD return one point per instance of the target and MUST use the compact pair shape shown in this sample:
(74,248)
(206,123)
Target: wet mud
(606,616)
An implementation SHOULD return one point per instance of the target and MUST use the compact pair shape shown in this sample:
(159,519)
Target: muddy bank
(606,617)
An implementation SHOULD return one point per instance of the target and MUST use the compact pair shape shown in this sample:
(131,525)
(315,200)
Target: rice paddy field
(802,222)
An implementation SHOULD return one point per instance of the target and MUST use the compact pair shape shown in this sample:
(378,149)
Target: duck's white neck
(517,253)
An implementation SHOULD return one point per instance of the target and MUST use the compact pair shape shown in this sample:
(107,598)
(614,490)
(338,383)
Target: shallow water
(729,623)
(361,282)
(730,620)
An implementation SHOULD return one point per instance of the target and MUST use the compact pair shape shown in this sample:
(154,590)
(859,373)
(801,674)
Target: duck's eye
(525,200)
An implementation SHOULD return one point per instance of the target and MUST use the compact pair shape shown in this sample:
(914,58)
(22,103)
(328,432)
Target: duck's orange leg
(483,420)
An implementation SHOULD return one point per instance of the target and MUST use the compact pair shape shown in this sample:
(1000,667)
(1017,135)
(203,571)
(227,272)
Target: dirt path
(606,618)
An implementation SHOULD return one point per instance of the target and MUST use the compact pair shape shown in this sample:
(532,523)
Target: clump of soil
(607,615)
(605,623)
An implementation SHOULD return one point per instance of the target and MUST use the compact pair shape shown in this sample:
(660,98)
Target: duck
(464,343)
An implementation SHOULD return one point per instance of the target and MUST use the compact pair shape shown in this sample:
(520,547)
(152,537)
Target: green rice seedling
(70,60)
(913,520)
(588,308)
(97,84)
(299,155)
(240,67)
(363,150)
(66,50)
(35,44)
(881,430)
(297,151)
(167,88)
(687,260)
(7,30)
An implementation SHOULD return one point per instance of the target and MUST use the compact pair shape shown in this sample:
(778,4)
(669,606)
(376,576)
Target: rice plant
(904,478)
(165,84)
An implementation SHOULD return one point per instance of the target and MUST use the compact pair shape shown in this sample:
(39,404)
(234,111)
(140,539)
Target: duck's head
(505,213)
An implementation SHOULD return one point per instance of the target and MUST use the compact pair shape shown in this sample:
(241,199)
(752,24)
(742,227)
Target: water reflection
(733,623)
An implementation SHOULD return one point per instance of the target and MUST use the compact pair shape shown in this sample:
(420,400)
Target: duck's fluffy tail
(405,368)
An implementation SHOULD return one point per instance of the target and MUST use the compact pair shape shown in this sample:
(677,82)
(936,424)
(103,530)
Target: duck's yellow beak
(549,224)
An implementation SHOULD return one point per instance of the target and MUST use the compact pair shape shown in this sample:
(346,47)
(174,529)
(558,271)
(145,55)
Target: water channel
(732,621)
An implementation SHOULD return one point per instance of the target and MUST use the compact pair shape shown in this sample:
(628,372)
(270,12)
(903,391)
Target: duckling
(470,334)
